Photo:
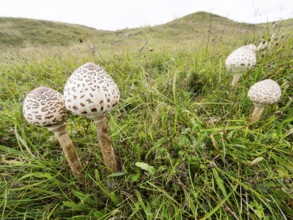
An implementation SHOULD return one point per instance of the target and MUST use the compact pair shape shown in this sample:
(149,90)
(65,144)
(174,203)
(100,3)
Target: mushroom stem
(105,143)
(68,148)
(236,78)
(257,112)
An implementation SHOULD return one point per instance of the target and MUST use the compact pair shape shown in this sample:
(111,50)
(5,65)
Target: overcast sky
(119,14)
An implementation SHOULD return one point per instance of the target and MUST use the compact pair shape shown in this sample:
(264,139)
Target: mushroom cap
(90,91)
(44,107)
(241,59)
(265,92)
(251,47)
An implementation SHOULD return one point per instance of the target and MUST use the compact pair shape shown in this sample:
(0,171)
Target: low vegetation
(182,135)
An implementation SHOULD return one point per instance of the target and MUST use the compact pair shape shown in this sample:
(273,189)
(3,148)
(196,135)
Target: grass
(182,136)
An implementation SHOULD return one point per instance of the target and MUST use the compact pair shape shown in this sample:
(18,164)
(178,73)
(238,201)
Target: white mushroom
(240,60)
(263,93)
(45,107)
(91,92)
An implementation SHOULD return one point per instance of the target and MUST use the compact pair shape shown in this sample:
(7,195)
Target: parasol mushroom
(240,60)
(45,107)
(263,93)
(91,92)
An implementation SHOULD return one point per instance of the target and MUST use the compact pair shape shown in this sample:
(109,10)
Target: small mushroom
(263,93)
(240,60)
(91,92)
(45,107)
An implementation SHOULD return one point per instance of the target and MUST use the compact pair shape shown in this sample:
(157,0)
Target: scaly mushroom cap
(241,59)
(265,92)
(251,47)
(44,107)
(90,91)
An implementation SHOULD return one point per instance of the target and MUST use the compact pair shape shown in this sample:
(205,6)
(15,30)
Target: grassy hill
(22,32)
(196,29)
(200,156)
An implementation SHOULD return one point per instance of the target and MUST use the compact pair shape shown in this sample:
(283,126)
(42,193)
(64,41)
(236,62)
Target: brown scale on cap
(90,91)
(44,107)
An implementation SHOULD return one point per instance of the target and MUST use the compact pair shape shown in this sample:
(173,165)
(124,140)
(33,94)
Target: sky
(120,14)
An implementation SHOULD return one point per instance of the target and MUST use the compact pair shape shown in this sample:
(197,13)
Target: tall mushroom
(240,60)
(45,107)
(263,93)
(91,92)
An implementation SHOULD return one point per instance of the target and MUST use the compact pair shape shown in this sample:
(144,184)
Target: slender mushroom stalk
(257,112)
(45,107)
(240,60)
(91,92)
(236,78)
(263,93)
(105,143)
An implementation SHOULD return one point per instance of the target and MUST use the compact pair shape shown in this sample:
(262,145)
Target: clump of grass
(182,136)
